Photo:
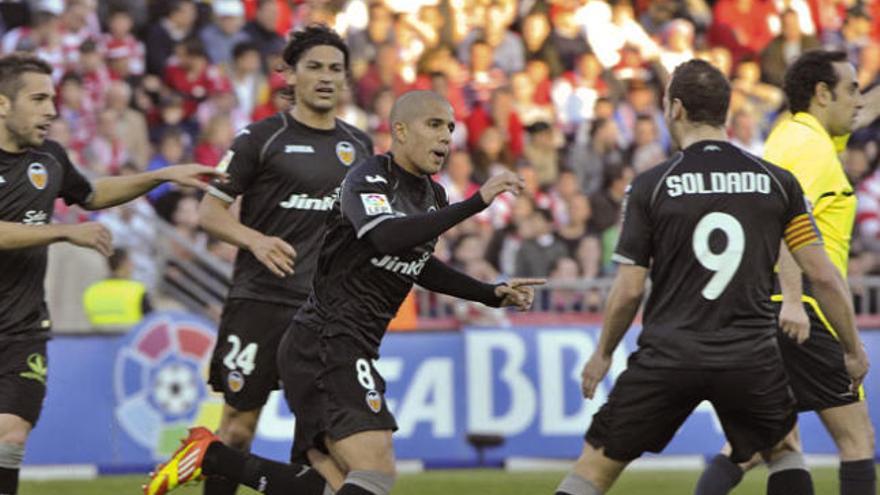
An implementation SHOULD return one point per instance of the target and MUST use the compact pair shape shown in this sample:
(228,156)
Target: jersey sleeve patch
(800,232)
(375,204)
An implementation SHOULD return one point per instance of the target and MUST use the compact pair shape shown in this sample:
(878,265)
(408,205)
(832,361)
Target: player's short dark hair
(806,72)
(12,66)
(703,91)
(313,35)
(117,259)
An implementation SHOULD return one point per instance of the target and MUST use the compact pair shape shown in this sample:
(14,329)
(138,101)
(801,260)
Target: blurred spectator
(491,154)
(744,132)
(216,138)
(742,26)
(641,100)
(579,214)
(590,157)
(564,271)
(868,68)
(221,36)
(610,29)
(784,48)
(536,30)
(855,33)
(106,152)
(576,93)
(748,90)
(250,84)
(646,149)
(164,36)
(96,77)
(171,148)
(382,73)
(501,114)
(607,201)
(528,110)
(119,43)
(456,177)
(119,301)
(678,46)
(278,102)
(568,39)
(192,75)
(506,47)
(540,248)
(363,43)
(261,29)
(541,153)
(43,37)
(483,77)
(132,126)
(539,73)
(868,216)
(79,22)
(73,107)
(133,226)
(506,239)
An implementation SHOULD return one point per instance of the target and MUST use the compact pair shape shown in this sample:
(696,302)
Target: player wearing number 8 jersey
(707,225)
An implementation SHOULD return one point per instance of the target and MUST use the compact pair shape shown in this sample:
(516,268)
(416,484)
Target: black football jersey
(357,290)
(29,184)
(288,175)
(708,223)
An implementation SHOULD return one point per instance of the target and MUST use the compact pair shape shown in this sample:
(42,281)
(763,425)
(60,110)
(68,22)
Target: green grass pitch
(464,482)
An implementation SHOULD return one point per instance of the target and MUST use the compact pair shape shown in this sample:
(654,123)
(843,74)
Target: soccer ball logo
(176,389)
(159,380)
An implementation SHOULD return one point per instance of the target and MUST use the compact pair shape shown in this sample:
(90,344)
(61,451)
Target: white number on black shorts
(365,377)
(245,359)
(725,263)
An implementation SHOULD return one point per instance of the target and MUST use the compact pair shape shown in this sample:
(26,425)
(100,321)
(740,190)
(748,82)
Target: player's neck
(8,144)
(820,115)
(407,165)
(310,118)
(695,134)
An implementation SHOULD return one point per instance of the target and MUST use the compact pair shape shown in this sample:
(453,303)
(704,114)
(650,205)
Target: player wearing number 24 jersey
(707,226)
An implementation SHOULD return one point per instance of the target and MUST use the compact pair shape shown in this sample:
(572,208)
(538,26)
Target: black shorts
(815,368)
(243,366)
(23,375)
(647,406)
(331,387)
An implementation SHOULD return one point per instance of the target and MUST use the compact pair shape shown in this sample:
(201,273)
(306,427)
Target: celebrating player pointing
(378,243)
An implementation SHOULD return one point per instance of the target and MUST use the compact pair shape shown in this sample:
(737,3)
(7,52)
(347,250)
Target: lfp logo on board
(159,380)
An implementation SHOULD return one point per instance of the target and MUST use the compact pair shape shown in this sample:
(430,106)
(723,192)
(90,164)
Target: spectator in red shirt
(499,113)
(192,75)
(169,31)
(383,73)
(278,102)
(741,26)
(96,76)
(119,43)
(215,139)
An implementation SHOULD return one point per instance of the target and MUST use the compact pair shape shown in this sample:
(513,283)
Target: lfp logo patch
(159,380)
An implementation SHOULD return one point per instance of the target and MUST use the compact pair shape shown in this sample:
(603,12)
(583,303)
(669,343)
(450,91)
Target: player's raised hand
(593,374)
(91,235)
(274,253)
(191,175)
(856,366)
(794,322)
(518,292)
(502,182)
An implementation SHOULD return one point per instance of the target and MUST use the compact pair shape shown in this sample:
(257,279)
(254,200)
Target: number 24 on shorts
(241,358)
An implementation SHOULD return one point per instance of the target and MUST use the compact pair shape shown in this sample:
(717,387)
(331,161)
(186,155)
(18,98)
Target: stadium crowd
(565,92)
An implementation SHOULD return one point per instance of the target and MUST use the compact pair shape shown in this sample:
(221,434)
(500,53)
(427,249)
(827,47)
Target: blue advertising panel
(121,402)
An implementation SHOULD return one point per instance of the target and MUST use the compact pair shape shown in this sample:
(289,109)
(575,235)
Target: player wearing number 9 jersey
(707,225)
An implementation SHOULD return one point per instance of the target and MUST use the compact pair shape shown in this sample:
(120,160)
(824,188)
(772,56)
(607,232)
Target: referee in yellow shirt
(827,106)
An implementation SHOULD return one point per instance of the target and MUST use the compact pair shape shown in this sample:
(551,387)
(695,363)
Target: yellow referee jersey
(803,147)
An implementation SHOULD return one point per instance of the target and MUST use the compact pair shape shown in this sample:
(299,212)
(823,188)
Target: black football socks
(858,478)
(263,475)
(719,477)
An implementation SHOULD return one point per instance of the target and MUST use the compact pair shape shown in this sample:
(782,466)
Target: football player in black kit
(378,243)
(287,169)
(34,172)
(707,226)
